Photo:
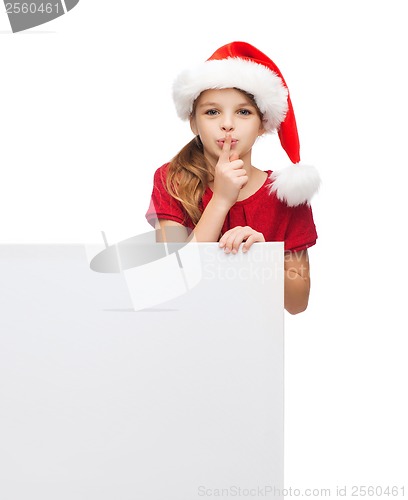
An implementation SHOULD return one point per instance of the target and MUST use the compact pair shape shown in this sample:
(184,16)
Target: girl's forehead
(222,94)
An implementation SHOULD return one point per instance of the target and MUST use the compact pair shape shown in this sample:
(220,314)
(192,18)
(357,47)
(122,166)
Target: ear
(193,125)
(262,129)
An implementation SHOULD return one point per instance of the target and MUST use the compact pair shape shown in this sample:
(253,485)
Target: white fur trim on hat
(296,184)
(270,94)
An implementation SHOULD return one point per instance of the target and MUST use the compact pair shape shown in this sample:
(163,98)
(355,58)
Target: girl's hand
(232,239)
(229,175)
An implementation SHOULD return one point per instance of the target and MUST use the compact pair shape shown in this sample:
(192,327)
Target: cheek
(261,129)
(193,126)
(203,131)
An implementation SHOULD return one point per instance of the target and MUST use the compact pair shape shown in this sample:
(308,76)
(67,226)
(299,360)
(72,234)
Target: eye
(211,112)
(244,112)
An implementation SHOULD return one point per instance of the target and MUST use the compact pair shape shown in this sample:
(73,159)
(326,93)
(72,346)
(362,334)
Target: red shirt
(262,211)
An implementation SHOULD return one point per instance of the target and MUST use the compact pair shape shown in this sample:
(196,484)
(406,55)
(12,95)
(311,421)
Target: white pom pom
(296,184)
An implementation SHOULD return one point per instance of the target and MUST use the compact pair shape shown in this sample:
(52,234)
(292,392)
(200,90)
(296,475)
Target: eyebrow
(204,104)
(241,105)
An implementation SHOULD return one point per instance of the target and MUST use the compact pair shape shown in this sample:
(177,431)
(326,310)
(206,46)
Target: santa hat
(242,66)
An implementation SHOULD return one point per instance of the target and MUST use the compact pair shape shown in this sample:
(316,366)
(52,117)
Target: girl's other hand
(232,239)
(229,176)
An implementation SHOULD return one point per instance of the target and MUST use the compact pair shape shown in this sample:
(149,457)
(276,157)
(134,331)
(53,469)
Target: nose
(227,124)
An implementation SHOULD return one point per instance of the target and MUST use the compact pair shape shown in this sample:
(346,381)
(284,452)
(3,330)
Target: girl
(211,188)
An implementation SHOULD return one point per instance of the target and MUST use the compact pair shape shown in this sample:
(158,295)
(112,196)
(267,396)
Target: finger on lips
(226,147)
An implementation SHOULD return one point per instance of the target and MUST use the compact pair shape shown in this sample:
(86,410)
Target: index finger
(226,148)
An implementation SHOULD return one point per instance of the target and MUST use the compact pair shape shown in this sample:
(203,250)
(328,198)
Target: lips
(220,142)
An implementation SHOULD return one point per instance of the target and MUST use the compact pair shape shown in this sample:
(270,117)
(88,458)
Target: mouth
(220,142)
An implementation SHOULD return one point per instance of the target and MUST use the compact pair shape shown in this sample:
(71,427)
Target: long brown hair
(188,176)
(188,173)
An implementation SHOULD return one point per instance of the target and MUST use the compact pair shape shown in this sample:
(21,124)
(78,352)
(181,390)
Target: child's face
(220,111)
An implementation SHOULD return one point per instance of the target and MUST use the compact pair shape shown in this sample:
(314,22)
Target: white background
(87,117)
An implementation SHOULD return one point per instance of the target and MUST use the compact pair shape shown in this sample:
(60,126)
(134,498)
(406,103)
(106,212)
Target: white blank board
(99,401)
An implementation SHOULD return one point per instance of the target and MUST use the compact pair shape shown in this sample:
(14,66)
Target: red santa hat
(242,66)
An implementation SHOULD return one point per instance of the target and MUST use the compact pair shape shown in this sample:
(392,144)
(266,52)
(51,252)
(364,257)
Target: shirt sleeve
(162,204)
(301,230)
